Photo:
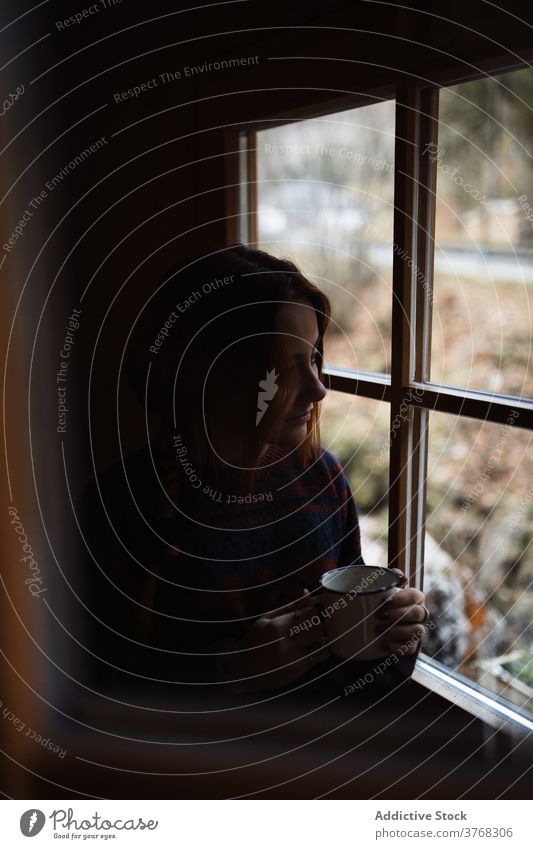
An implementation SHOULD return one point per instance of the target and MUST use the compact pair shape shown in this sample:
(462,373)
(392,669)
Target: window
(326,197)
(429,278)
(483,304)
(479,553)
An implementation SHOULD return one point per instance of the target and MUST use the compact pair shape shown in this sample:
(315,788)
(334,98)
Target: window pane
(479,552)
(325,191)
(355,430)
(484,235)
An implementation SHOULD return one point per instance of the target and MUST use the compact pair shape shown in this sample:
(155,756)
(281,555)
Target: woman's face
(297,321)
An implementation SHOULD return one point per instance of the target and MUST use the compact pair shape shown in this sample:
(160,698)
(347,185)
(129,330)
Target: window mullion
(404,449)
(422,287)
(427,191)
(364,384)
(246,228)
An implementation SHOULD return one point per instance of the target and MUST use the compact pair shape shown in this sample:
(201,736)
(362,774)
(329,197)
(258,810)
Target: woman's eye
(315,357)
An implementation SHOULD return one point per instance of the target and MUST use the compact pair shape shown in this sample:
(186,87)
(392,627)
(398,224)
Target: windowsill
(472,698)
(314,745)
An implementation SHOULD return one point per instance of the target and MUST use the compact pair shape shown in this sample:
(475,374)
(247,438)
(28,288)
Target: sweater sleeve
(350,551)
(201,644)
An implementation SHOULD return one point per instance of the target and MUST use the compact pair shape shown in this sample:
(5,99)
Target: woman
(212,538)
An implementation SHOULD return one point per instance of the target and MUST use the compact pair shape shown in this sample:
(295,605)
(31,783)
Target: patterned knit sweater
(172,595)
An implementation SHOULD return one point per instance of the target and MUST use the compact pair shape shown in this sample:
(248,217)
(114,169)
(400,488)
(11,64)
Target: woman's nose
(321,390)
(314,389)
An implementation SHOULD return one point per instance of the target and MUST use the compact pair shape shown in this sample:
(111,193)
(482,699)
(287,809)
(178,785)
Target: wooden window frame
(414,237)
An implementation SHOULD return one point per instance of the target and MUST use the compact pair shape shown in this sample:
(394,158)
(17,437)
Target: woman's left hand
(399,620)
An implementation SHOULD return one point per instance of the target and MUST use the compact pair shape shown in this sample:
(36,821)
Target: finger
(406,648)
(305,600)
(397,633)
(410,595)
(298,623)
(413,613)
(399,572)
(402,598)
(307,629)
(401,626)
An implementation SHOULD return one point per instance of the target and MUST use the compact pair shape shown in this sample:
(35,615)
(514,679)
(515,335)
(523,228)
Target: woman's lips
(300,419)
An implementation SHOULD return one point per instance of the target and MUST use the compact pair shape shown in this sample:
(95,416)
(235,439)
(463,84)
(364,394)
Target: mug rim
(393,575)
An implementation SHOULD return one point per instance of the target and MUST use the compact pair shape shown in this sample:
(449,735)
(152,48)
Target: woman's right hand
(279,647)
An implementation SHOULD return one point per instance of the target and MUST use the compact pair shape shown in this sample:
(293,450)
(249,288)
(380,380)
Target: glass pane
(484,235)
(325,193)
(479,552)
(355,430)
